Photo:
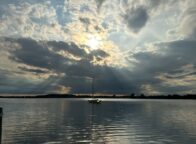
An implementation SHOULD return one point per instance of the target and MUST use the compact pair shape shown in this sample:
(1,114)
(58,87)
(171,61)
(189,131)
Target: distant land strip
(132,96)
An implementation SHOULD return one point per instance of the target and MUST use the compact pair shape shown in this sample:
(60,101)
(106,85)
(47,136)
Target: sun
(93,43)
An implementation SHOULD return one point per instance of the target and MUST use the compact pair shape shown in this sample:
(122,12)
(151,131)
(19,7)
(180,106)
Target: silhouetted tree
(142,95)
(132,95)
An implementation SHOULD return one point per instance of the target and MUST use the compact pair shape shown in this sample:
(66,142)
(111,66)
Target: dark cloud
(136,18)
(173,55)
(107,80)
(170,62)
(36,54)
(9,84)
(99,54)
(99,3)
(36,71)
(181,75)
(85,20)
(138,13)
(97,28)
(69,47)
(78,74)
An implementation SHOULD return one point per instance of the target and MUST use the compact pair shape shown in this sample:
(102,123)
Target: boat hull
(94,101)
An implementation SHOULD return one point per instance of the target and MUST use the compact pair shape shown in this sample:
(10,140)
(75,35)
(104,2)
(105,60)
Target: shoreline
(190,97)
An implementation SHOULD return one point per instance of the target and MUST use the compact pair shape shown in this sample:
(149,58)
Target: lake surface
(64,121)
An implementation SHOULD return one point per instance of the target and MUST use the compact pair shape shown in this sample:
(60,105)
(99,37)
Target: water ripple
(123,122)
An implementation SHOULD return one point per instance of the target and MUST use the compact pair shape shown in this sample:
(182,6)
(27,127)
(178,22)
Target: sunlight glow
(93,43)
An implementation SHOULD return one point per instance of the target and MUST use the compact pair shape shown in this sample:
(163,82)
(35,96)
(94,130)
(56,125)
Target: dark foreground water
(64,121)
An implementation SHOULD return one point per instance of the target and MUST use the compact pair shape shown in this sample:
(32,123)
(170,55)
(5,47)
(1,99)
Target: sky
(127,46)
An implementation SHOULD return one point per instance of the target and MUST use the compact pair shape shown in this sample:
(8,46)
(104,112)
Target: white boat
(94,101)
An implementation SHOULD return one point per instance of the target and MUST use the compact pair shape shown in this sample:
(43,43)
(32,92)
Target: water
(64,121)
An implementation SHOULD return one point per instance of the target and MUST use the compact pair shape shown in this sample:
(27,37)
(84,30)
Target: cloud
(187,27)
(99,3)
(36,71)
(11,84)
(169,69)
(45,54)
(44,46)
(158,5)
(40,58)
(136,18)
(169,62)
(136,14)
(99,54)
(71,48)
(85,20)
(35,20)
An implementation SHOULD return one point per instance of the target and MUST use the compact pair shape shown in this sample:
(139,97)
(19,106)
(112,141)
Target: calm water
(64,121)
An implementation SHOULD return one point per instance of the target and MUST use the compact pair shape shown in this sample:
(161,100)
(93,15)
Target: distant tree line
(131,96)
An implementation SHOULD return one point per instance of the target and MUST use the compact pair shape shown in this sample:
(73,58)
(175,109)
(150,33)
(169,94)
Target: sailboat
(94,100)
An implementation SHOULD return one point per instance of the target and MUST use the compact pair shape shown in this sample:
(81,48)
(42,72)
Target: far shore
(132,96)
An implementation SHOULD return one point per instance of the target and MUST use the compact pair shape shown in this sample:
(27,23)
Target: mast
(93,81)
